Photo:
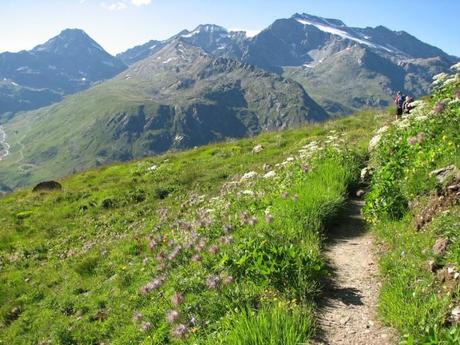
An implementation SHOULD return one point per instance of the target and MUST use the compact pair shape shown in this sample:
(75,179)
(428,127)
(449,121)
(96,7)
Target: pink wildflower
(228,280)
(269,218)
(213,249)
(137,316)
(172,316)
(177,299)
(146,326)
(213,282)
(180,331)
(439,108)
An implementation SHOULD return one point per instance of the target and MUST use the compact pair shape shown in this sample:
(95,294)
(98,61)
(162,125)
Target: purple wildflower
(152,285)
(285,195)
(213,282)
(457,94)
(269,218)
(226,239)
(177,299)
(180,331)
(213,249)
(172,316)
(176,251)
(412,140)
(229,280)
(161,256)
(420,137)
(295,197)
(146,326)
(227,229)
(439,108)
(253,221)
(137,316)
(197,258)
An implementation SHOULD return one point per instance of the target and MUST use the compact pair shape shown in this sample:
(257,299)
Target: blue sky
(121,24)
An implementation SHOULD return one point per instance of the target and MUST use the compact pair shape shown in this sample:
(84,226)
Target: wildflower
(244,218)
(305,168)
(270,174)
(421,137)
(412,140)
(213,249)
(152,285)
(172,316)
(146,326)
(457,94)
(176,251)
(177,299)
(200,246)
(227,229)
(213,282)
(269,218)
(228,280)
(439,108)
(285,195)
(226,240)
(253,221)
(249,175)
(197,258)
(137,316)
(153,244)
(180,331)
(247,192)
(295,197)
(161,256)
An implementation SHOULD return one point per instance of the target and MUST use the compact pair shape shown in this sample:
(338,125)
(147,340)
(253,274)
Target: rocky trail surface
(348,309)
(4,146)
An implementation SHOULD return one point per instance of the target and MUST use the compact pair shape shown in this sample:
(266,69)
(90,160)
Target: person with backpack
(399,101)
(407,106)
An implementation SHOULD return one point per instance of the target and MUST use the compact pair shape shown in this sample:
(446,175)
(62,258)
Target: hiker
(399,101)
(407,107)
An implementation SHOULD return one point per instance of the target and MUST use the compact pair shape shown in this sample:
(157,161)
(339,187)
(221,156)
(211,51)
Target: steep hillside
(217,245)
(65,64)
(178,98)
(413,205)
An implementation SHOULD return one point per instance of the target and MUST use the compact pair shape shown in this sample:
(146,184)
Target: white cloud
(114,6)
(140,2)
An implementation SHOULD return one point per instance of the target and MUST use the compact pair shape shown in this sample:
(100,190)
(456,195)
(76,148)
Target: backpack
(400,101)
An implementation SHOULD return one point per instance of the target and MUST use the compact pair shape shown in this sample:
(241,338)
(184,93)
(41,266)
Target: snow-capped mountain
(344,68)
(65,64)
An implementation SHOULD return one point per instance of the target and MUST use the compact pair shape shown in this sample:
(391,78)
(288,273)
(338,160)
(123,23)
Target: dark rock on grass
(47,186)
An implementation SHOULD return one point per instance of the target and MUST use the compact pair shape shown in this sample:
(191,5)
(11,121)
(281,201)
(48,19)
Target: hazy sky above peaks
(121,24)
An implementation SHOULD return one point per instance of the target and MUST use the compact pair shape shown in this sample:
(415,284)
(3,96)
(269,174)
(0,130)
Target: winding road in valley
(4,146)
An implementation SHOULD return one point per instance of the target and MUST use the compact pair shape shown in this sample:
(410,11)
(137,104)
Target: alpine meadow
(295,185)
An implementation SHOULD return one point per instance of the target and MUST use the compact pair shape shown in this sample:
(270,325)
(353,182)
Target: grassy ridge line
(416,299)
(73,263)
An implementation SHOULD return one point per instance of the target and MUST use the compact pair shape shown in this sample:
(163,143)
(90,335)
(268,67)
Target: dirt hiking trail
(347,312)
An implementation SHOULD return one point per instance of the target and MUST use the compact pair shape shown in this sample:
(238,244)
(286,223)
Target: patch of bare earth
(347,312)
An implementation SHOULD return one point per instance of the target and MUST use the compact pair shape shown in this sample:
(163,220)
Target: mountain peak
(69,38)
(319,20)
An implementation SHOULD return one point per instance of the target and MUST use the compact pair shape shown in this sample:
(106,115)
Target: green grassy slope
(415,215)
(113,257)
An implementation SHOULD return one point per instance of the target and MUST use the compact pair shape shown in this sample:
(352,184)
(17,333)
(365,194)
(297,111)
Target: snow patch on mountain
(341,33)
